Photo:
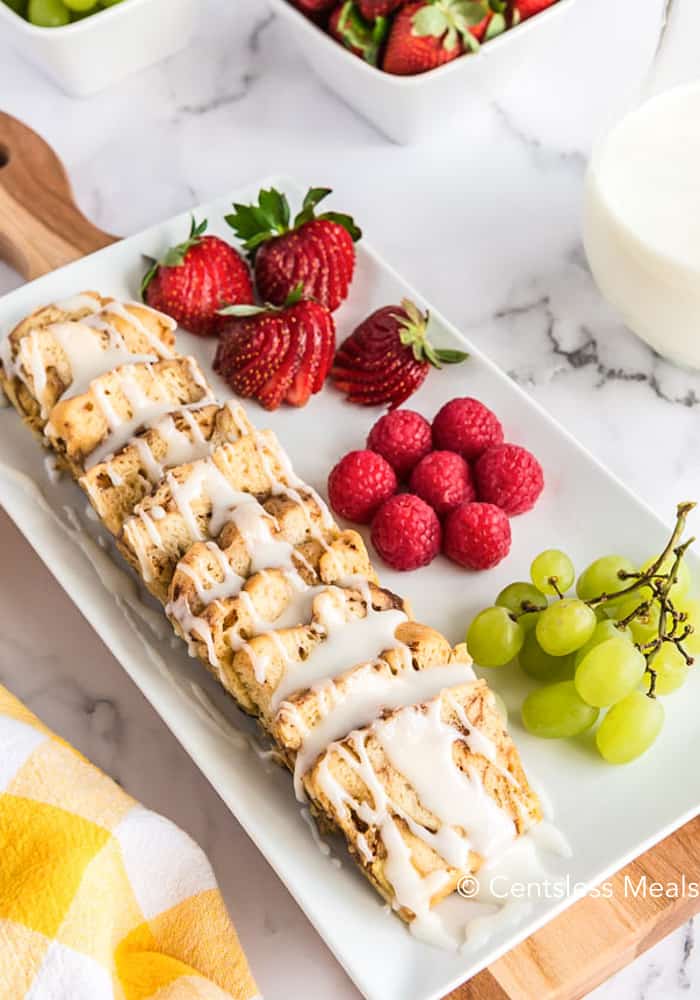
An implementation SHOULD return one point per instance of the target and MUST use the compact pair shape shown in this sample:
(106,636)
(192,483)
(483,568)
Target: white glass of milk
(642,199)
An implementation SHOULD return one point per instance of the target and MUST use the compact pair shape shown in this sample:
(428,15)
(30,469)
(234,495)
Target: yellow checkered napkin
(100,898)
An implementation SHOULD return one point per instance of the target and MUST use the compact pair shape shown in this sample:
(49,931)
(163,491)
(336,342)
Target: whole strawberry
(388,357)
(314,252)
(195,279)
(363,35)
(428,34)
(277,355)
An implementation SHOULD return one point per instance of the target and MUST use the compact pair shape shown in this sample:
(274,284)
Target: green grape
(630,728)
(683,577)
(18,6)
(540,665)
(493,638)
(552,564)
(609,672)
(80,6)
(48,13)
(515,595)
(645,626)
(556,710)
(671,670)
(691,608)
(601,577)
(604,630)
(565,626)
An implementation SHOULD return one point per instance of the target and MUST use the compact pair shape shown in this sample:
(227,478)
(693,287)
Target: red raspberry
(477,535)
(467,427)
(359,483)
(402,437)
(406,532)
(509,476)
(443,479)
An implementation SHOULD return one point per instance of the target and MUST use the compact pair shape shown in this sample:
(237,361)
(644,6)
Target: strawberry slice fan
(277,354)
(388,357)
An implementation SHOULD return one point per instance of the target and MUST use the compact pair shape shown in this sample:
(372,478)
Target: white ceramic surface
(412,108)
(584,509)
(97,51)
(486,225)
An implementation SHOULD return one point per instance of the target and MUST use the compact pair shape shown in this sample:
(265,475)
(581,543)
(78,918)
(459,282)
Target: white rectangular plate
(609,814)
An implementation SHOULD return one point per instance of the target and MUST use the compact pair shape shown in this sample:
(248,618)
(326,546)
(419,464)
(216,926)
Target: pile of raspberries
(463,483)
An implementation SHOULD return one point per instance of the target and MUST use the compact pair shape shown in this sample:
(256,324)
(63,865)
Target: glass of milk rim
(641,219)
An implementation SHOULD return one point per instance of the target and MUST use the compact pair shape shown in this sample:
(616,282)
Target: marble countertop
(485,221)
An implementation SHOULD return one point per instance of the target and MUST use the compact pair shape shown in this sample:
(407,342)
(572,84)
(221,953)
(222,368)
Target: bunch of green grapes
(56,13)
(628,635)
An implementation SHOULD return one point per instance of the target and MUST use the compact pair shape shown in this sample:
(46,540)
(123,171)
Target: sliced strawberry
(277,355)
(276,388)
(388,357)
(257,370)
(301,388)
(250,352)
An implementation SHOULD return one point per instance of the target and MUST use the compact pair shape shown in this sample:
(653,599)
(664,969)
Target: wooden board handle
(41,227)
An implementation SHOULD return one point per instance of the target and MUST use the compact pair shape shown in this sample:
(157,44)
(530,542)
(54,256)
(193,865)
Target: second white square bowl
(410,108)
(91,54)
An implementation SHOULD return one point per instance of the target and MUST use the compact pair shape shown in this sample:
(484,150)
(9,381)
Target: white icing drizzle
(411,890)
(180,448)
(193,627)
(145,408)
(364,694)
(345,643)
(419,745)
(86,352)
(100,321)
(53,473)
(87,357)
(209,589)
(318,840)
(82,302)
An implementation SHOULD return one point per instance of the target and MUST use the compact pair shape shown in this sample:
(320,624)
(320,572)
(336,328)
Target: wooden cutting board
(41,228)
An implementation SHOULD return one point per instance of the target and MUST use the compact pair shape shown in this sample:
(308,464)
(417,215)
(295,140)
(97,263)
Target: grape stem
(660,584)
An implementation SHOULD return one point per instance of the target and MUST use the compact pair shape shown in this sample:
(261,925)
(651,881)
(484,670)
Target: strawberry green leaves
(452,20)
(413,333)
(361,35)
(256,224)
(253,224)
(175,256)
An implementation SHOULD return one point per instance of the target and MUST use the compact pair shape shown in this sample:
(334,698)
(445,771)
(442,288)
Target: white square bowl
(410,108)
(91,54)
